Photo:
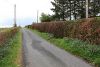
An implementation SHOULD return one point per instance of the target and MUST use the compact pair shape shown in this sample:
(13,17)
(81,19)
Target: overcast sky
(26,11)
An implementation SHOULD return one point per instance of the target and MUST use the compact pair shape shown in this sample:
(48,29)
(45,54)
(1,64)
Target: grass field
(84,50)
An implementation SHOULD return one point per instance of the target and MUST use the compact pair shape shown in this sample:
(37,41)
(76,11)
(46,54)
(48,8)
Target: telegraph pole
(87,9)
(37,15)
(15,25)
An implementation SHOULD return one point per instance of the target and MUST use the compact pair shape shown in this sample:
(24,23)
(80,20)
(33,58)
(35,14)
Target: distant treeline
(74,9)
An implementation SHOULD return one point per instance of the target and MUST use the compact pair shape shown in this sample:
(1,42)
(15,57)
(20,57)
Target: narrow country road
(40,53)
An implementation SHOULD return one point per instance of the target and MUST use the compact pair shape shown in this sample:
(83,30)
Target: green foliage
(77,8)
(45,18)
(97,62)
(59,9)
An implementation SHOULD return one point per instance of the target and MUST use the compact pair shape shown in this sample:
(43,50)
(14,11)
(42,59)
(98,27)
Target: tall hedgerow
(86,30)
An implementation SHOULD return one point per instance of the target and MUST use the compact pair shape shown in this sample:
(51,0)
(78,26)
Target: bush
(55,28)
(97,62)
(45,18)
(5,35)
(86,30)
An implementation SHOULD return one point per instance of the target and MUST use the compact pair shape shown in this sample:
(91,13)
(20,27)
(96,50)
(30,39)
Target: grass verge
(11,52)
(88,52)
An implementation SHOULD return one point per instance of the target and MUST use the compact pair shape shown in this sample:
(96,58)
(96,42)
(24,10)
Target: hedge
(86,30)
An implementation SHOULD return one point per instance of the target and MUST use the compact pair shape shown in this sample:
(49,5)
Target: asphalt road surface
(37,52)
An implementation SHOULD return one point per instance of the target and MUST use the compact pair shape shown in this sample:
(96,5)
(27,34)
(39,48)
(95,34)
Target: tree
(94,8)
(56,10)
(45,18)
(59,9)
(64,9)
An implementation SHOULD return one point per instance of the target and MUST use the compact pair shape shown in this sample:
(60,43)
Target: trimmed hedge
(86,30)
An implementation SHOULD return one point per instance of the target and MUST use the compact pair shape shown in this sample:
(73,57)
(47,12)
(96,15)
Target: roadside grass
(84,50)
(11,52)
